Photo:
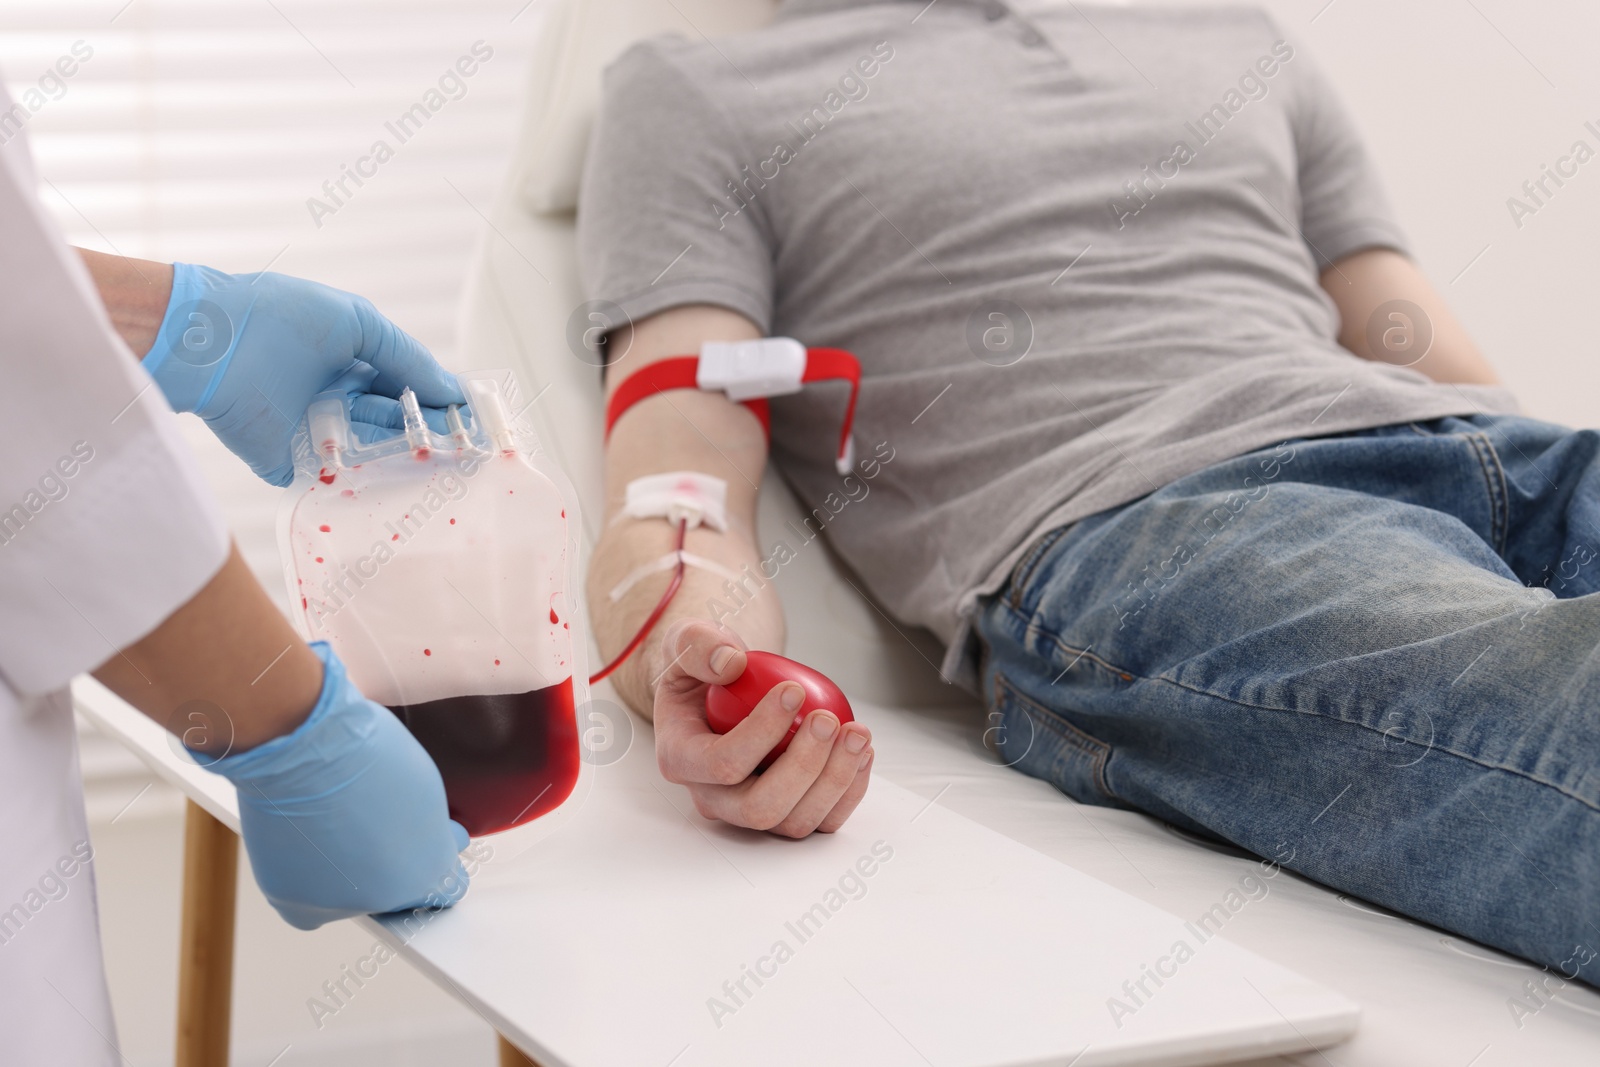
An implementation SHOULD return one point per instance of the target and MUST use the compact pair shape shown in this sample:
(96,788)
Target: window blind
(227,132)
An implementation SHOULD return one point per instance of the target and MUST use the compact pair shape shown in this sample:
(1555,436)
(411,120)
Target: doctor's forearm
(225,671)
(135,293)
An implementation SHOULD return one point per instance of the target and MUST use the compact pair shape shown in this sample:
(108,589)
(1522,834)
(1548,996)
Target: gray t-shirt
(1076,249)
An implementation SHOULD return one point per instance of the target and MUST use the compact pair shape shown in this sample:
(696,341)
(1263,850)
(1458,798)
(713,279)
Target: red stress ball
(728,705)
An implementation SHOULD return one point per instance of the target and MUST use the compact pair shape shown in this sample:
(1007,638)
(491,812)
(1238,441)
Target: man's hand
(813,786)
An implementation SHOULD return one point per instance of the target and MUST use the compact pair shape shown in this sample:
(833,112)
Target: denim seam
(1494,476)
(985,656)
(1363,726)
(1084,654)
(1025,566)
(1097,750)
(1032,629)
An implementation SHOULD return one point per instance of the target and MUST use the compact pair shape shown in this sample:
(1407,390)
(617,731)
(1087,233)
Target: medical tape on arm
(666,563)
(676,496)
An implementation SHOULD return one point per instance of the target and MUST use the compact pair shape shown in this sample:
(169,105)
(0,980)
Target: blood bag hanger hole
(484,427)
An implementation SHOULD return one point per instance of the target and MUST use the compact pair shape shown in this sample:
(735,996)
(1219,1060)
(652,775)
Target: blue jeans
(1374,658)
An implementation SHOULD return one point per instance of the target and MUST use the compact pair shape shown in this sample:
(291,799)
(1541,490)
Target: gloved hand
(248,353)
(346,815)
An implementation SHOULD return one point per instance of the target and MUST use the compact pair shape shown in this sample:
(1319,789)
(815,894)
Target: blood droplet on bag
(553,617)
(452,522)
(427,652)
(325,528)
(326,477)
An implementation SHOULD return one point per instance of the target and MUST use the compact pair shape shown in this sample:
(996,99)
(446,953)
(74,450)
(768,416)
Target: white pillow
(579,40)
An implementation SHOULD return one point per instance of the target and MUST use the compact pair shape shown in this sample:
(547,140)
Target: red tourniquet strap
(680,372)
(825,363)
(675,373)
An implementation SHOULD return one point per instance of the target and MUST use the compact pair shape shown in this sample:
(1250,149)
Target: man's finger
(767,802)
(683,739)
(697,650)
(687,650)
(771,798)
(836,776)
(688,750)
(846,804)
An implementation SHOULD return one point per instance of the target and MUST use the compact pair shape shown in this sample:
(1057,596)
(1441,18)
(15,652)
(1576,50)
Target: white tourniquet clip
(677,496)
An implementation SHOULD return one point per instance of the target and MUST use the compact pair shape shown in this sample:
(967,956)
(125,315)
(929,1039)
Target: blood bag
(442,568)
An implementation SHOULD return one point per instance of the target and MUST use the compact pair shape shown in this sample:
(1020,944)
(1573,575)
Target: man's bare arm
(680,430)
(1362,283)
(817,782)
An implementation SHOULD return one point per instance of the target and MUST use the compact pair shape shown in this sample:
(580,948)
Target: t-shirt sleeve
(1343,207)
(658,224)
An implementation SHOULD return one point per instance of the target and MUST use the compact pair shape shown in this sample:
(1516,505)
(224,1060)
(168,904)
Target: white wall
(1462,101)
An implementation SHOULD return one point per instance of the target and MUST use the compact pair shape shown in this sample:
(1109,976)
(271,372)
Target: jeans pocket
(1041,743)
(1017,584)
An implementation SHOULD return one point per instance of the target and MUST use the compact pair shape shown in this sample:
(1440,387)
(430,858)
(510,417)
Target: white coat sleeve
(106,525)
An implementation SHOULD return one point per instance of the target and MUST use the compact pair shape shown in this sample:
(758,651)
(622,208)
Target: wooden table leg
(205,957)
(511,1056)
(205,960)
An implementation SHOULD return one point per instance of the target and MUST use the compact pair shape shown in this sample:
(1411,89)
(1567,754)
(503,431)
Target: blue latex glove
(249,352)
(346,815)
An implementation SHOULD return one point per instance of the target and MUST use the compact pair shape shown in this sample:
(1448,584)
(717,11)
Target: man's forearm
(750,609)
(818,781)
(135,292)
(1390,313)
(683,430)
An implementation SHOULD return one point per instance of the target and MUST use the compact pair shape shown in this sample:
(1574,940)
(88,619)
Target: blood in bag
(441,568)
(505,759)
